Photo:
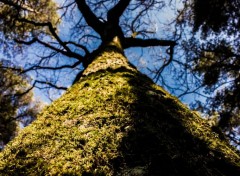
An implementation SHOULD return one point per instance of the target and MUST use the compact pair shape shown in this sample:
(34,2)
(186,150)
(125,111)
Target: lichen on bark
(116,121)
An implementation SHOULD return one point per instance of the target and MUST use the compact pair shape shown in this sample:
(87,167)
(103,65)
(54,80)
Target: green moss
(116,121)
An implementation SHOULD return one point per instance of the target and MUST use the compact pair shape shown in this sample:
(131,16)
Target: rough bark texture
(116,121)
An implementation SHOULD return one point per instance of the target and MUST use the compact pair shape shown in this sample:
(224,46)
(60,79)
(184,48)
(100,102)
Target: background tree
(213,53)
(16,104)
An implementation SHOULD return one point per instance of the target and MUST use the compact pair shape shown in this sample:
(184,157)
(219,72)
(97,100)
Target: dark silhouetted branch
(66,53)
(90,17)
(26,42)
(137,42)
(50,84)
(115,13)
(38,67)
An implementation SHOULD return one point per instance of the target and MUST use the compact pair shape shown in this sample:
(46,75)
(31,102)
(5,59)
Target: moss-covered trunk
(116,121)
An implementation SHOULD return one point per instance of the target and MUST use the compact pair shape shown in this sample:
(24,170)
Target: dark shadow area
(158,142)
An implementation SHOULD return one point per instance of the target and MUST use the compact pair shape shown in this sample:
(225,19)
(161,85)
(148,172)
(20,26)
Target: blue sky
(143,60)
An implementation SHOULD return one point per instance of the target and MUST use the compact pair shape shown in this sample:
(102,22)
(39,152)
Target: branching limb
(69,54)
(79,46)
(49,84)
(51,29)
(38,67)
(67,51)
(137,42)
(115,13)
(90,17)
(165,64)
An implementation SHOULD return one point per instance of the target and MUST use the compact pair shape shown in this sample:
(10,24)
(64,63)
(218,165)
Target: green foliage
(16,103)
(116,121)
(215,57)
(216,15)
(20,19)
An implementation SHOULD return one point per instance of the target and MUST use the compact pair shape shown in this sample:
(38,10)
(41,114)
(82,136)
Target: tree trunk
(116,121)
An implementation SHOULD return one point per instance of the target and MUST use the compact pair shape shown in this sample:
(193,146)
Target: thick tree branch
(114,14)
(90,17)
(51,29)
(68,53)
(137,42)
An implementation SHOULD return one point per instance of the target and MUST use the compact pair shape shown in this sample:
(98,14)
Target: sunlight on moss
(115,121)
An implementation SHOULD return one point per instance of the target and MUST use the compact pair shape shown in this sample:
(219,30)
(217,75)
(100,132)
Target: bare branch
(79,46)
(50,84)
(38,67)
(51,28)
(90,17)
(66,53)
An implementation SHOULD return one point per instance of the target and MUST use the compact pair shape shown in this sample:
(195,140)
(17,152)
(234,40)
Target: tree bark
(116,121)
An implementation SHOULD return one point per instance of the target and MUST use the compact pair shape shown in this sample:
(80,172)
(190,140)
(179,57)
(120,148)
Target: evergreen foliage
(22,19)
(16,104)
(214,53)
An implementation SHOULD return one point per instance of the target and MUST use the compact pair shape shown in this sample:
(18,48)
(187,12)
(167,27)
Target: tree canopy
(16,104)
(213,53)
